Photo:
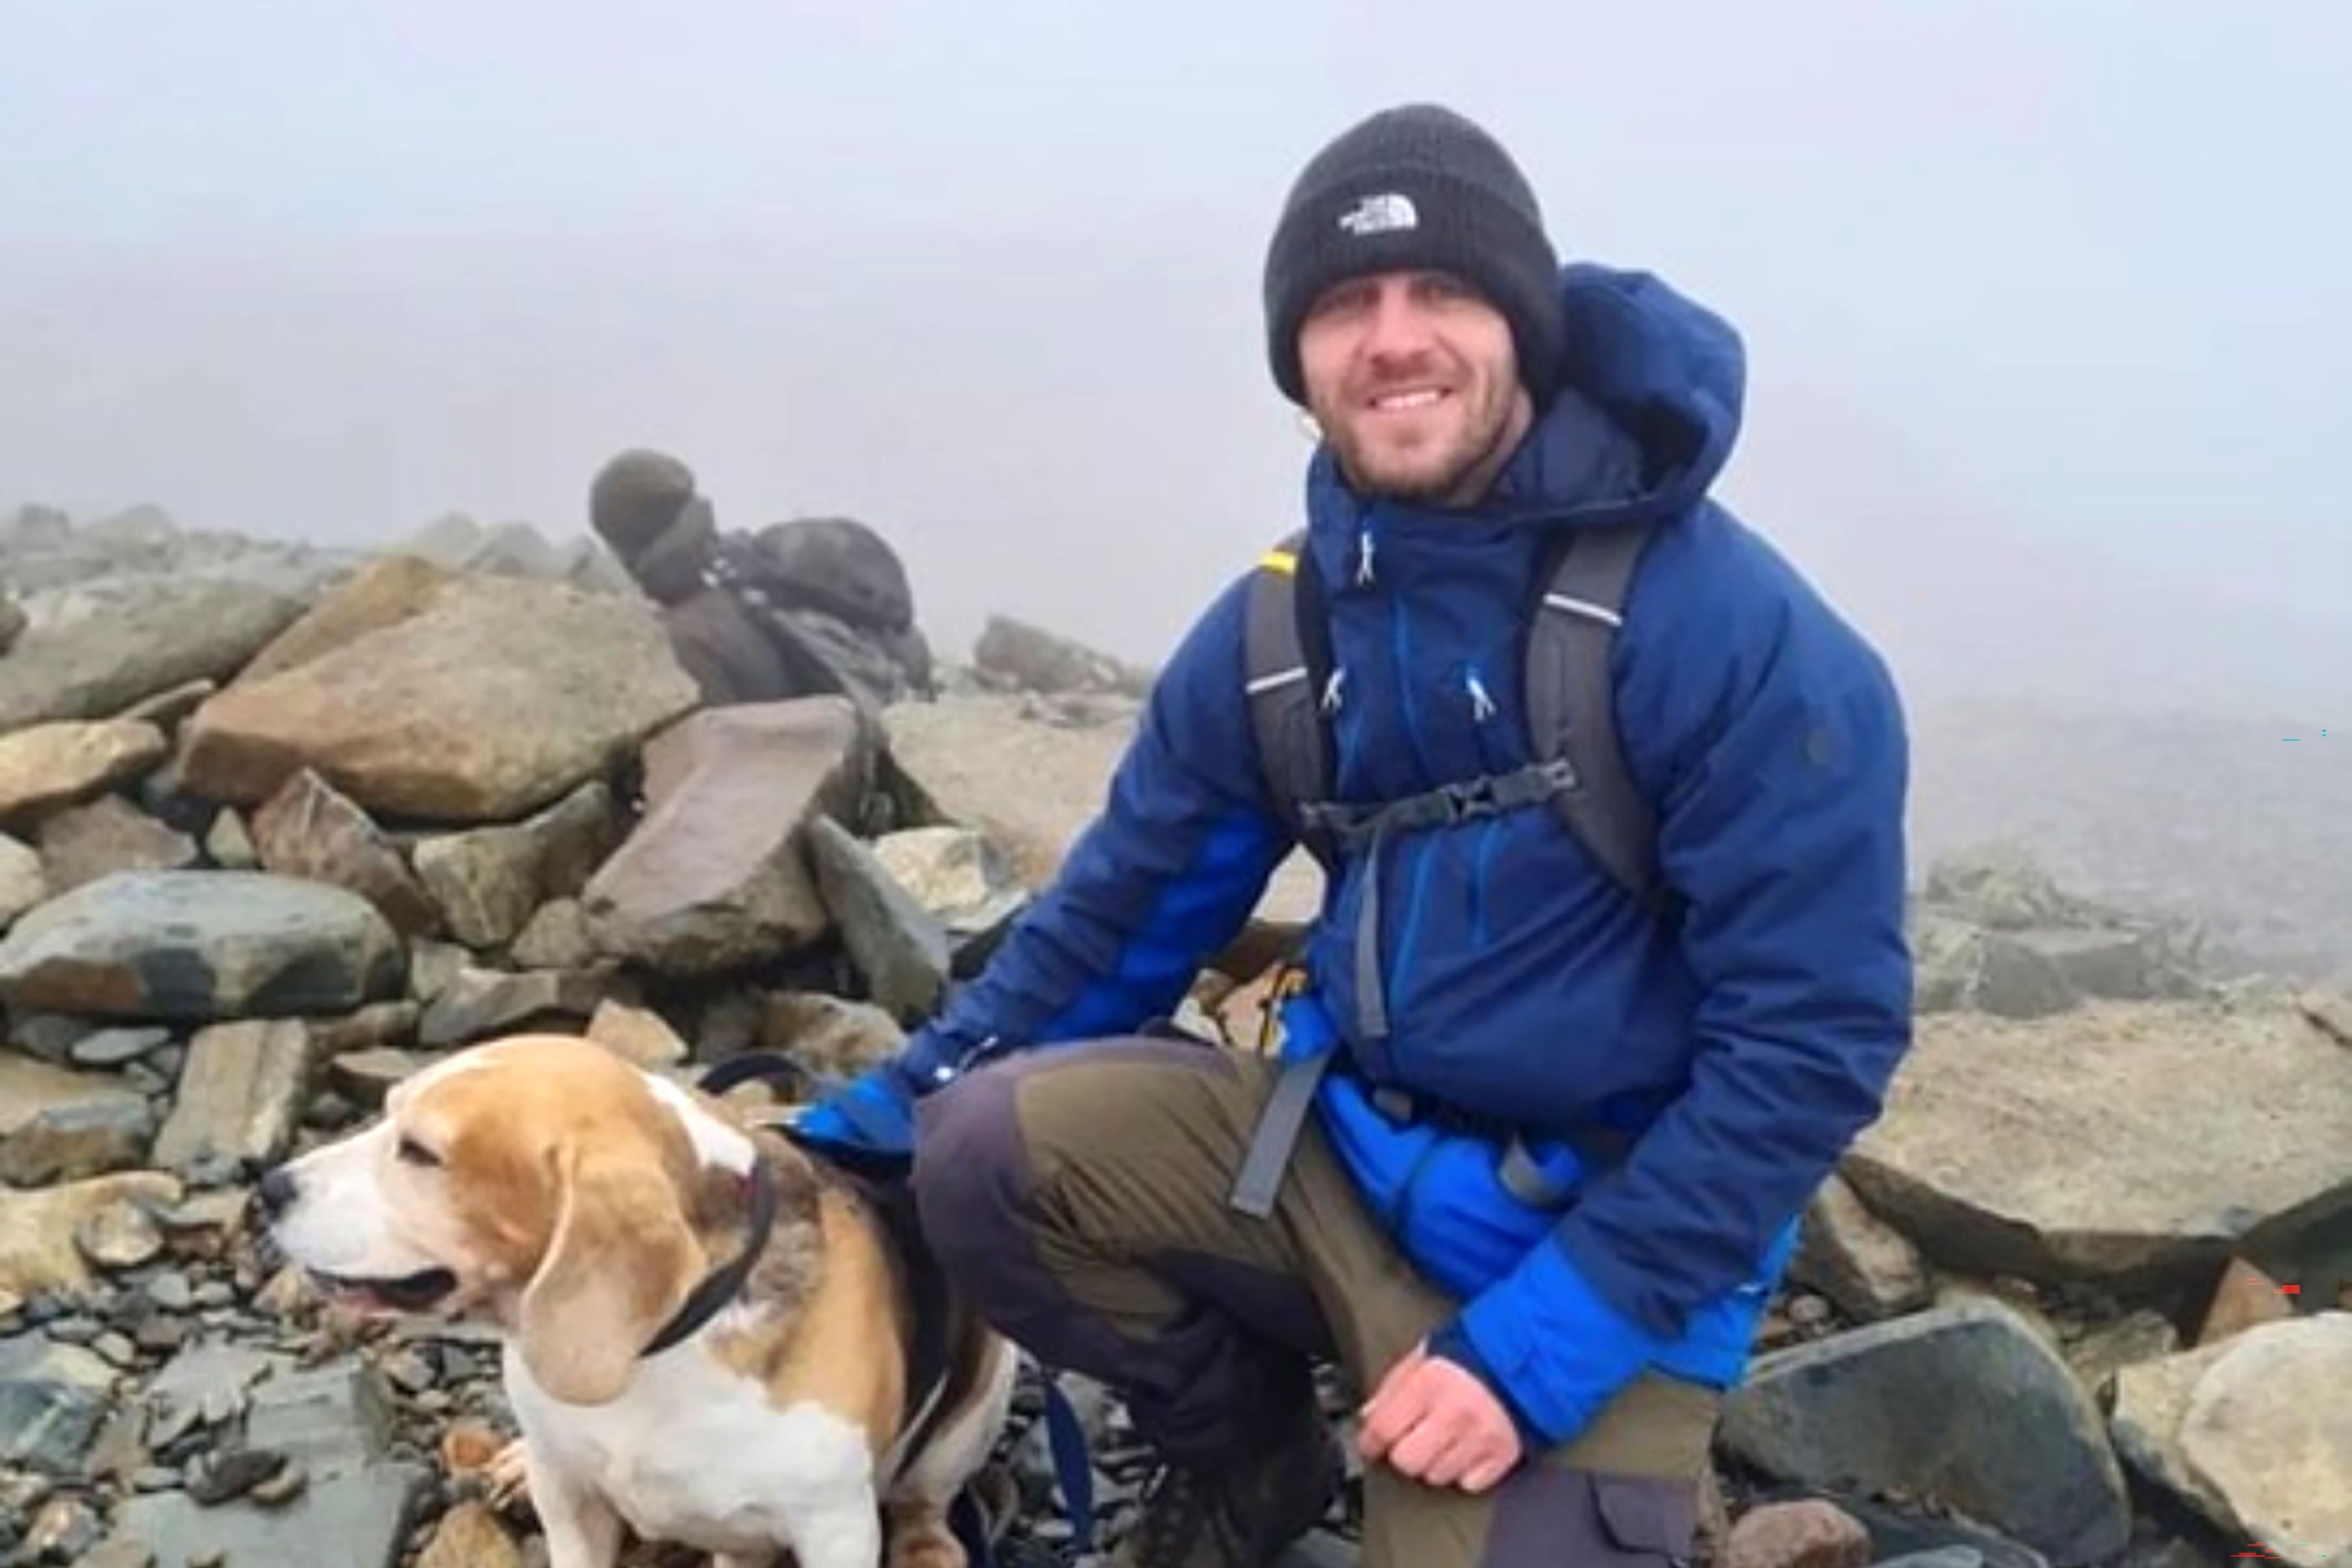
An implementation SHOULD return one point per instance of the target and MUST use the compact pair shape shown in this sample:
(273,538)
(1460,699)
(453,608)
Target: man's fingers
(1454,1461)
(1396,1376)
(1419,1451)
(1391,1413)
(1487,1472)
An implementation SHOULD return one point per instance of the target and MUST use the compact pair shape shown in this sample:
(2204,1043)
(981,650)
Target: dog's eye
(416,1153)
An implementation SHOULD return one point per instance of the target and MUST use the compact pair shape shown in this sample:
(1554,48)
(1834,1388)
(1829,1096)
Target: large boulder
(500,697)
(200,945)
(715,875)
(1966,1401)
(118,646)
(2133,1141)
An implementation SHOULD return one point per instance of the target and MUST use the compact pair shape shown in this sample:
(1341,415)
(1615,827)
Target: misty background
(2047,305)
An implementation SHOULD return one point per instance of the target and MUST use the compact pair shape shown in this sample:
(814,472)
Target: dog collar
(720,1285)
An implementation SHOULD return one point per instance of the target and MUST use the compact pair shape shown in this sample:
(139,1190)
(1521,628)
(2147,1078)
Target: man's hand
(1436,1423)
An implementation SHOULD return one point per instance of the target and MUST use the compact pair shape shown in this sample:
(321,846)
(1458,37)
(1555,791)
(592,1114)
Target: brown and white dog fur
(576,1200)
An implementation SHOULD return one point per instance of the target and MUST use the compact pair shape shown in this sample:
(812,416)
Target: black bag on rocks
(799,607)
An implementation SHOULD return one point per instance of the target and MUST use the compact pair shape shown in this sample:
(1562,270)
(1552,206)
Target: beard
(1444,453)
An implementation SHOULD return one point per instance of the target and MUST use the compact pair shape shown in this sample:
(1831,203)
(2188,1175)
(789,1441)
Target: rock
(1857,1259)
(132,640)
(637,1035)
(1808,1534)
(56,1125)
(482,1002)
(120,1237)
(962,877)
(51,765)
(22,885)
(118,1552)
(117,1047)
(39,1227)
(2151,1398)
(2124,1141)
(1964,1401)
(358,1518)
(230,844)
(497,698)
(166,708)
(488,882)
(714,876)
(470,1536)
(2000,886)
(2103,1352)
(241,1094)
(334,1421)
(899,946)
(388,589)
(11,622)
(1987,971)
(2268,1432)
(52,1399)
(2107,961)
(197,945)
(556,937)
(310,829)
(364,1077)
(1033,788)
(377,1024)
(2330,1009)
(827,1035)
(2244,1298)
(1025,659)
(84,844)
(206,1385)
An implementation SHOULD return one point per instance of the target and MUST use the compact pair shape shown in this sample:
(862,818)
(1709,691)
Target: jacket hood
(1649,405)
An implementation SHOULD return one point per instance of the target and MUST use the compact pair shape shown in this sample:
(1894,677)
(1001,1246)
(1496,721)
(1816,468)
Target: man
(1542,1377)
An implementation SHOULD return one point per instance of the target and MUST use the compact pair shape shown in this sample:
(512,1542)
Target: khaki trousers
(1080,1192)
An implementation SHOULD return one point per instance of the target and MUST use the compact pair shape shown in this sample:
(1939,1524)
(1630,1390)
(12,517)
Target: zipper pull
(1364,559)
(1339,677)
(1482,706)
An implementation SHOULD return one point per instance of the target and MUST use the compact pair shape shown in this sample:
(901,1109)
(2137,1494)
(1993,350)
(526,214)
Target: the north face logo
(1381,214)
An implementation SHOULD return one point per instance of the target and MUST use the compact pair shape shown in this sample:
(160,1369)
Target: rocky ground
(270,841)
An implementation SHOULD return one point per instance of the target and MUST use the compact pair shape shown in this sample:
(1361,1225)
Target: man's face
(1414,382)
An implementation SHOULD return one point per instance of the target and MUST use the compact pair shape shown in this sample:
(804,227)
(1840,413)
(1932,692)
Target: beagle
(712,1338)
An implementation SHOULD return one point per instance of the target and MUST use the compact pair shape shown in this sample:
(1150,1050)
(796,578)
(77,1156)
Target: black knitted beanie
(1415,186)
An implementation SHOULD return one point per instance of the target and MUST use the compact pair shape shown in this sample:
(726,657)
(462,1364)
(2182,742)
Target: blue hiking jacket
(1748,1040)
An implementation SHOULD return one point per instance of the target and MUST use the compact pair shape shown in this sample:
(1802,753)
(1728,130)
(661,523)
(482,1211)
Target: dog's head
(540,1178)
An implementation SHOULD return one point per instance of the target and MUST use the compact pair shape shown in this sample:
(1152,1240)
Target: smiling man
(1610,972)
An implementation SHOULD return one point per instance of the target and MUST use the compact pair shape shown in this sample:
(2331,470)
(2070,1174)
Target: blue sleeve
(1784,767)
(1161,881)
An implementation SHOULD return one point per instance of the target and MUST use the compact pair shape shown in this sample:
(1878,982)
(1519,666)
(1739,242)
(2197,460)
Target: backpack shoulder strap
(1287,655)
(1572,708)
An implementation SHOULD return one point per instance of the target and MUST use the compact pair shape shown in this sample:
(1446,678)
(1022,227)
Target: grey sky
(2036,296)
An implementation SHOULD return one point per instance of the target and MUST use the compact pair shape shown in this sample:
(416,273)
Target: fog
(2046,304)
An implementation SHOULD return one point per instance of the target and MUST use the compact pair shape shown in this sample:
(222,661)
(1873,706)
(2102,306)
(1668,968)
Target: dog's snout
(276,1191)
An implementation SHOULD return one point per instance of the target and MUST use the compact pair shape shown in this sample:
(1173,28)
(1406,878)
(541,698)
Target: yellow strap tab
(1281,561)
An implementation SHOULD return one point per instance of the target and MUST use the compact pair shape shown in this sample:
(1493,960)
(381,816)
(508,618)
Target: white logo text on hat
(1381,214)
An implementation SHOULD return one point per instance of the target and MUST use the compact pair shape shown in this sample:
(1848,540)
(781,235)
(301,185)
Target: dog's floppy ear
(620,1261)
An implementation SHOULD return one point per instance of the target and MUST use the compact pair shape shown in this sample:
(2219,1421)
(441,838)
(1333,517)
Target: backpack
(1570,712)
(1578,769)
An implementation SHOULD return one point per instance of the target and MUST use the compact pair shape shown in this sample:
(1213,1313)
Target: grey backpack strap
(1283,685)
(1572,704)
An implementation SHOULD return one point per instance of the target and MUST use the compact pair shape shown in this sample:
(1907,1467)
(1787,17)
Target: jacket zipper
(1482,711)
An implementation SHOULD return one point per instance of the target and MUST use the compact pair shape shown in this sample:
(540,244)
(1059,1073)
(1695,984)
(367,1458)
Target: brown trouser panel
(1080,1191)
